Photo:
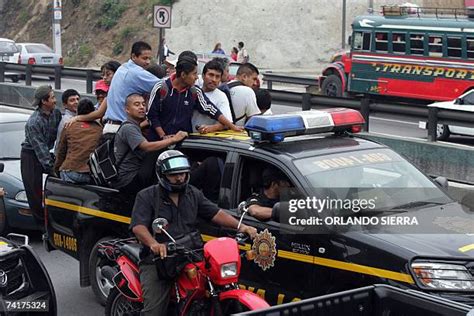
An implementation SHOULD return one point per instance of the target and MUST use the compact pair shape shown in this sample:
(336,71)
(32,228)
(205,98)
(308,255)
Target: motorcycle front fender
(251,300)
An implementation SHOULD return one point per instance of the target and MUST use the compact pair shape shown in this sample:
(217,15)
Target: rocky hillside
(278,34)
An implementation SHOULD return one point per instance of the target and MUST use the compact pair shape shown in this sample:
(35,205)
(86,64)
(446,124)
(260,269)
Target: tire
(101,286)
(442,132)
(15,79)
(231,306)
(118,305)
(332,86)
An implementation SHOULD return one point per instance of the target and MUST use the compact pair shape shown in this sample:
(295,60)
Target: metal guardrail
(305,81)
(56,72)
(368,106)
(305,101)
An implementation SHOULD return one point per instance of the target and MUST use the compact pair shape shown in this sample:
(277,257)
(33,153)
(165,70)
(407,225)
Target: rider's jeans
(156,293)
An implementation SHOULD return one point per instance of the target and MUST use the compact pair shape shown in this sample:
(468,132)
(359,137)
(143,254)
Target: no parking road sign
(162,16)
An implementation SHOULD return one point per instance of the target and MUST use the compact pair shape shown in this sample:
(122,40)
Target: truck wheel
(442,132)
(99,283)
(332,86)
(117,305)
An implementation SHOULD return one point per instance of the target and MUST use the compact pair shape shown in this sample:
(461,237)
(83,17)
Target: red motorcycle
(206,287)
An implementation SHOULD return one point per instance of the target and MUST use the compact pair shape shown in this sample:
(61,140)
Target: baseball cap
(171,62)
(41,93)
(101,85)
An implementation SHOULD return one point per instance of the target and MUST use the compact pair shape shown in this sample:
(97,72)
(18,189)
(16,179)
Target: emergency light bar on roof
(274,128)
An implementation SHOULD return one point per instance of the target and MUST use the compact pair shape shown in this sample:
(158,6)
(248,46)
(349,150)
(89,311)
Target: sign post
(57,16)
(161,20)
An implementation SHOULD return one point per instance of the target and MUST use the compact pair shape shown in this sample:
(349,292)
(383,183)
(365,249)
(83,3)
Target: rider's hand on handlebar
(159,250)
(249,230)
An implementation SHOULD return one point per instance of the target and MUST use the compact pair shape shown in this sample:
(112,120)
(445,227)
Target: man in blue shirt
(131,77)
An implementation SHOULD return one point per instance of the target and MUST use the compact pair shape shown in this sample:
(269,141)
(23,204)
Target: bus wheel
(332,86)
(442,132)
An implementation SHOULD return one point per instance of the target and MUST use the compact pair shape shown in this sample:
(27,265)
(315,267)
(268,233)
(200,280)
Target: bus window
(381,42)
(454,47)
(399,42)
(416,44)
(361,41)
(470,47)
(435,45)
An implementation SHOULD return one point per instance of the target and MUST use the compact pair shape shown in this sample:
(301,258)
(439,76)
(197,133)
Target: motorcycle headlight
(229,270)
(21,197)
(443,276)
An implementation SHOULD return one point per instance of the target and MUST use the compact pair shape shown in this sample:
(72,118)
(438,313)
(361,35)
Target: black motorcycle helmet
(171,162)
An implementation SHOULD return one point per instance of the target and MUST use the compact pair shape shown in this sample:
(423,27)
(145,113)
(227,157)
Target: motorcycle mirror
(159,224)
(242,208)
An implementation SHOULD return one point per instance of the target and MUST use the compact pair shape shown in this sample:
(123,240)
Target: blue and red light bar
(274,128)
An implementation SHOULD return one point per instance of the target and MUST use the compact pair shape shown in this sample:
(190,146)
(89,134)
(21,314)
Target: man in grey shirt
(134,155)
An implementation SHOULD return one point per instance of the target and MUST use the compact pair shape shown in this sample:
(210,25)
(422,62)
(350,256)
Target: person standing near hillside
(234,53)
(40,134)
(218,49)
(243,55)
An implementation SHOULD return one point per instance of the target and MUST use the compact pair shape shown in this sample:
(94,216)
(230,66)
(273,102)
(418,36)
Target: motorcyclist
(180,203)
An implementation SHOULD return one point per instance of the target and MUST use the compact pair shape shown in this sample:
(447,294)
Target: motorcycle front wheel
(231,306)
(118,305)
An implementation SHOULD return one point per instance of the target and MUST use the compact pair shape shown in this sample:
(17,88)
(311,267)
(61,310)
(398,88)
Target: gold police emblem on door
(264,249)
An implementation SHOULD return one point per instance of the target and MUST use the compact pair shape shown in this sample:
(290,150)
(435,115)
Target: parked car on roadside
(463,103)
(17,213)
(37,54)
(8,50)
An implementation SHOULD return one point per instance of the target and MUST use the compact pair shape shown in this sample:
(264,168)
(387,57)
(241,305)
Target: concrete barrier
(454,162)
(23,96)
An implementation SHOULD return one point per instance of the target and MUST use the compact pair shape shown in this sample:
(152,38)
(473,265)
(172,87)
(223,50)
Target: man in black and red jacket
(171,107)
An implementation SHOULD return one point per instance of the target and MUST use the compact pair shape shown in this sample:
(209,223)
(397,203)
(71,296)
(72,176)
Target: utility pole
(343,40)
(57,16)
(371,7)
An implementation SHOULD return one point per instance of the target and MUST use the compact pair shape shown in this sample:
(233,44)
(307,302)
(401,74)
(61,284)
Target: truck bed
(372,300)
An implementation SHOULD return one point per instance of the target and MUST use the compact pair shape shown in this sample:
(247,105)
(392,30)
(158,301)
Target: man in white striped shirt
(171,108)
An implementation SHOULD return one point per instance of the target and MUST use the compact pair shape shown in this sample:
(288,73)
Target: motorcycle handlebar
(174,250)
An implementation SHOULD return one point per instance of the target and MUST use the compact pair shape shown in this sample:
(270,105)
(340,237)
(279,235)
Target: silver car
(37,54)
(8,54)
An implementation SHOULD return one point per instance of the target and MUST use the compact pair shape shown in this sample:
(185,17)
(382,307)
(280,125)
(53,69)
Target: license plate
(47,60)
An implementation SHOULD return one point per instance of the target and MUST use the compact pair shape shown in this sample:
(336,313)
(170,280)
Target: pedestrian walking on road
(40,134)
(164,51)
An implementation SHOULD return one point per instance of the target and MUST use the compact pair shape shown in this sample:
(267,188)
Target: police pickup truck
(408,233)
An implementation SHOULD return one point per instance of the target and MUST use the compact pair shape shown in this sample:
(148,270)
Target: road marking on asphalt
(394,121)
